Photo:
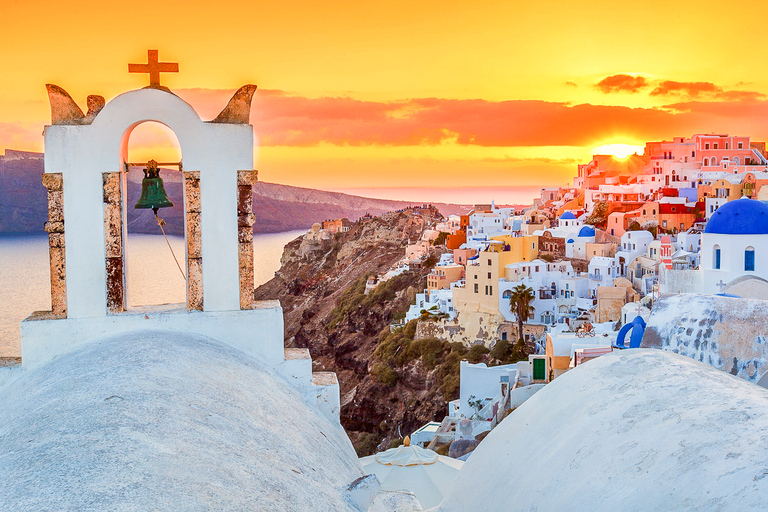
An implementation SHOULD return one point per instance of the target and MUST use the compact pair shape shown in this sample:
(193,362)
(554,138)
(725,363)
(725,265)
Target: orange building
(442,276)
(454,241)
(676,217)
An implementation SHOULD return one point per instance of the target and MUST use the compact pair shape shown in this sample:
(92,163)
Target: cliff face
(320,287)
(276,207)
(23,202)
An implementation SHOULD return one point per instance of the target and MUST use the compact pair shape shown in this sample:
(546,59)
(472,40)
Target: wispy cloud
(689,90)
(283,119)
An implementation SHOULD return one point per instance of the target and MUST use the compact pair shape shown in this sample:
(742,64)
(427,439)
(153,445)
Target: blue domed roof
(586,231)
(568,216)
(739,217)
(570,241)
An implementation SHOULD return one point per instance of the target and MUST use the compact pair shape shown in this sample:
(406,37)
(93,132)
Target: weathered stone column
(245,219)
(194,241)
(54,183)
(113,241)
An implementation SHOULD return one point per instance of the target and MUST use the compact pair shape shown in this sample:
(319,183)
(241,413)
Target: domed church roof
(623,433)
(166,421)
(739,217)
(568,216)
(587,231)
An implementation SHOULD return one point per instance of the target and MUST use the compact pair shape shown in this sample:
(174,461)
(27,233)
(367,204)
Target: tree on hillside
(520,304)
(599,214)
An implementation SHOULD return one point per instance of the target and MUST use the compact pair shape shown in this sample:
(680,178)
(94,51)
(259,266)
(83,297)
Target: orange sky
(355,95)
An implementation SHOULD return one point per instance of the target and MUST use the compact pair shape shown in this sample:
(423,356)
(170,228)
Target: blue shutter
(717,258)
(749,259)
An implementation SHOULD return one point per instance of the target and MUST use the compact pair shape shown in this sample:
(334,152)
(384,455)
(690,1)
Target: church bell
(152,191)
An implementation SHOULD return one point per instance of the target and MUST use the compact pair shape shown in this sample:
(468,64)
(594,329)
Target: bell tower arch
(84,174)
(90,158)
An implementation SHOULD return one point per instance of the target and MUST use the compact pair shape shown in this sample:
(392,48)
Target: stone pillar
(54,183)
(194,241)
(113,241)
(245,182)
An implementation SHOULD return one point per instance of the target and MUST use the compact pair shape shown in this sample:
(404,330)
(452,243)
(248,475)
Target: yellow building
(481,291)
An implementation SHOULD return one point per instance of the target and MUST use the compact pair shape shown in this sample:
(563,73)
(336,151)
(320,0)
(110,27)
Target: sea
(151,271)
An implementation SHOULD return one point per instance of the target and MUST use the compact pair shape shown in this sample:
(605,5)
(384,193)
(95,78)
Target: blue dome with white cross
(739,217)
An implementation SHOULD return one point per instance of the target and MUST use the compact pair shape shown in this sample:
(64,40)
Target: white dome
(166,421)
(641,429)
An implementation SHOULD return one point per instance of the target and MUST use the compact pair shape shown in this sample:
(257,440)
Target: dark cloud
(622,83)
(706,90)
(691,89)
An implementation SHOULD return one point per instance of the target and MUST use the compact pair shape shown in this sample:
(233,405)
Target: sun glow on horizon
(620,151)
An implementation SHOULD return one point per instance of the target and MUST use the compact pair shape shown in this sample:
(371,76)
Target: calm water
(153,277)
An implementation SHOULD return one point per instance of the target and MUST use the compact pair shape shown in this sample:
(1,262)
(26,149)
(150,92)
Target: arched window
(716,257)
(749,259)
(713,161)
(507,294)
(706,162)
(736,160)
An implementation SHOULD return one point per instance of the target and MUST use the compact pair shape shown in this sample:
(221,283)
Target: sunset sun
(617,150)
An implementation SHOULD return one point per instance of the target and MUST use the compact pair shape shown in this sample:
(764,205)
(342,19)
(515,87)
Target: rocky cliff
(391,383)
(276,207)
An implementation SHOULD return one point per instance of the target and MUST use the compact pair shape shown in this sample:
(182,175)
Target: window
(477,288)
(714,146)
(504,336)
(489,264)
(489,275)
(741,145)
(664,223)
(749,259)
(716,258)
(726,146)
(682,225)
(490,290)
(486,289)
(706,146)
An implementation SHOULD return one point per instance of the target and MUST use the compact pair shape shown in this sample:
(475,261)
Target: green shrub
(476,353)
(501,351)
(367,444)
(430,350)
(410,329)
(384,374)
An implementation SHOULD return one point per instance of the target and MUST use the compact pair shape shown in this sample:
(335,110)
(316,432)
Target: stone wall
(473,328)
(113,240)
(245,219)
(679,281)
(54,183)
(194,240)
(728,333)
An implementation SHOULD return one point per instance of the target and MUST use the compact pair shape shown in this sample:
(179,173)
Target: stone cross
(154,68)
(721,285)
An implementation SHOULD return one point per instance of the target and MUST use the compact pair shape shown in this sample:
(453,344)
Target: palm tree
(520,304)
